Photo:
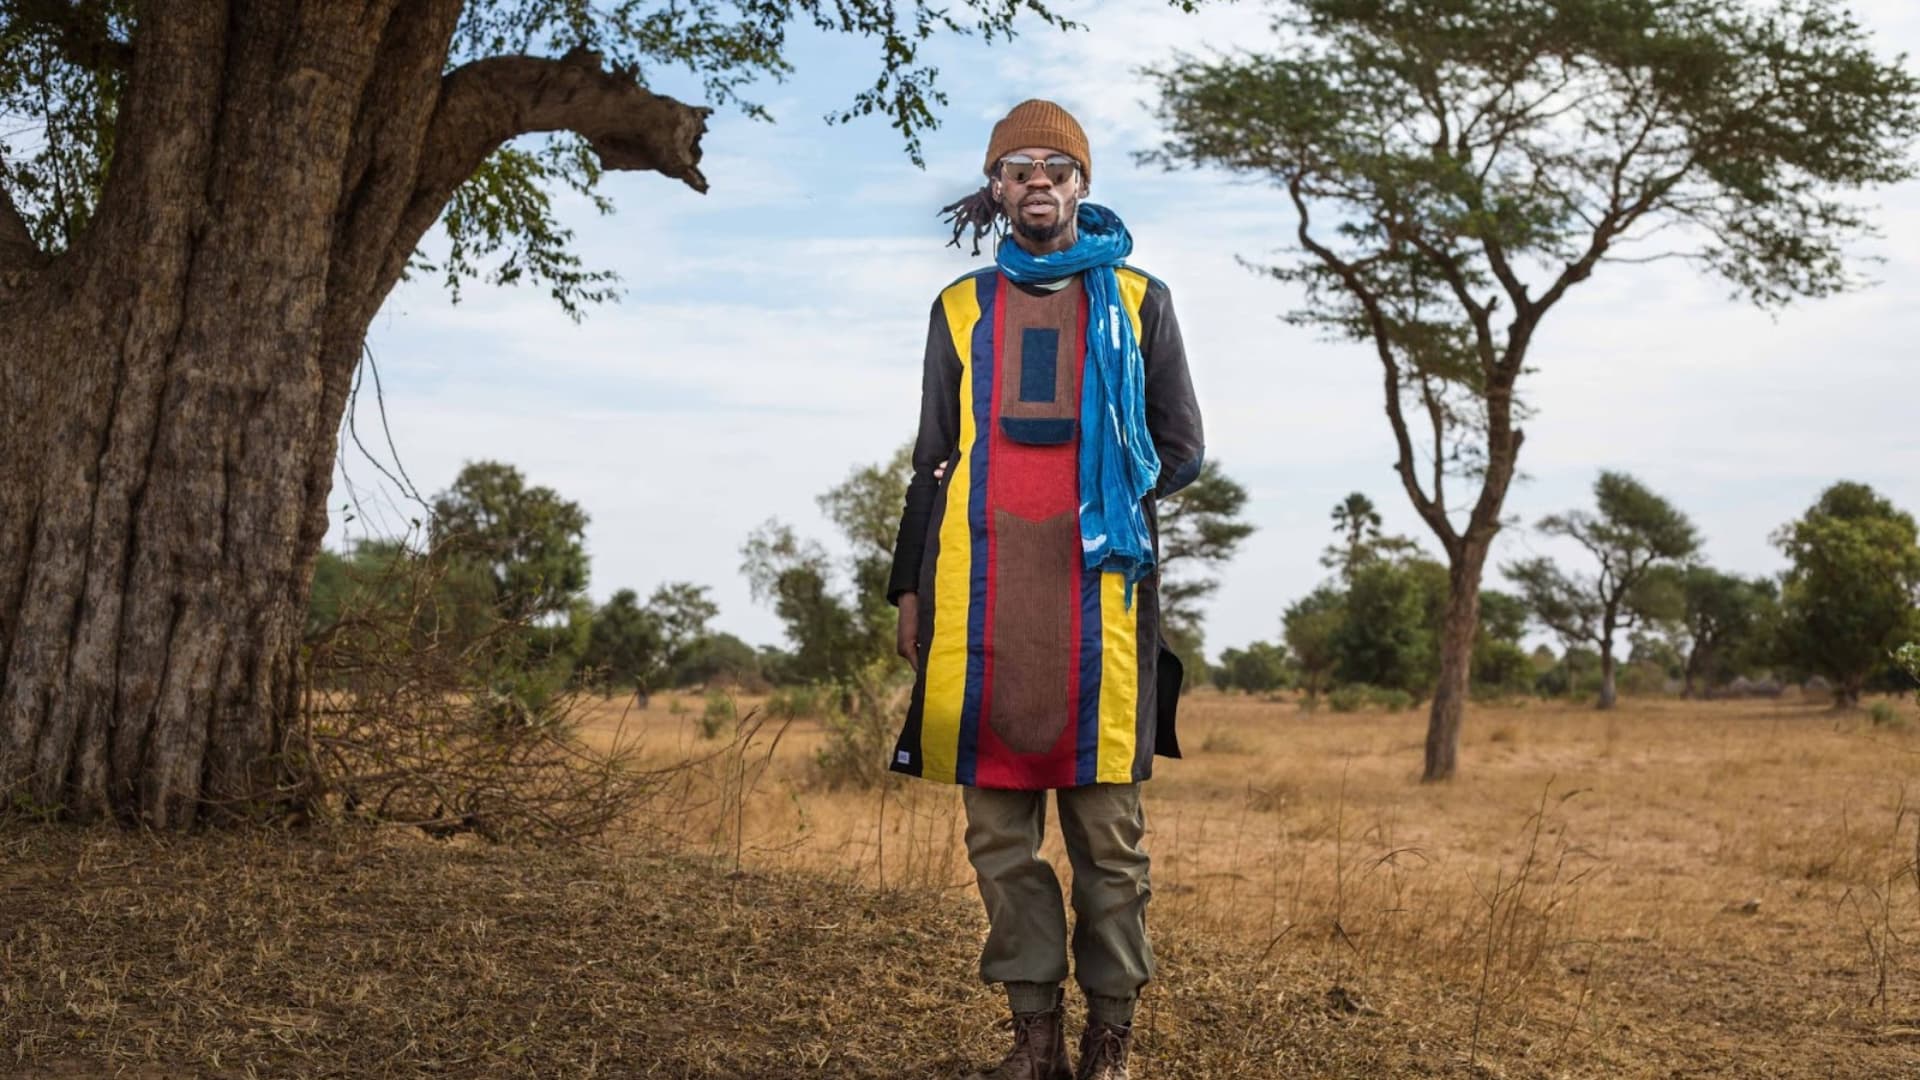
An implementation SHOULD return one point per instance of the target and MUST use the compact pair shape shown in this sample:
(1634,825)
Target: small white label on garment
(901,757)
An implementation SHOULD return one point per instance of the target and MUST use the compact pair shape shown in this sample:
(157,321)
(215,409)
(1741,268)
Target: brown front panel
(1034,653)
(1039,377)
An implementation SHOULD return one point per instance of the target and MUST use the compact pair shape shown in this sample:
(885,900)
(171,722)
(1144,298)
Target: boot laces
(1104,1046)
(1024,1025)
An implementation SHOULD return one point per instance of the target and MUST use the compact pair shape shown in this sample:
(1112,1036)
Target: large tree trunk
(173,383)
(1458,631)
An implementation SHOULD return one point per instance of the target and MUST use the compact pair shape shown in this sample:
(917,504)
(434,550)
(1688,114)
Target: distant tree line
(1637,611)
(836,613)
(509,573)
(1640,611)
(1376,624)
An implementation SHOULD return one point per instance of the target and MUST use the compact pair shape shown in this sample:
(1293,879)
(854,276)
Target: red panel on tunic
(1035,482)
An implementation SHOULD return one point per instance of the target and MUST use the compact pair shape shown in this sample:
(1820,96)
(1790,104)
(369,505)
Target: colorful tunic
(1033,672)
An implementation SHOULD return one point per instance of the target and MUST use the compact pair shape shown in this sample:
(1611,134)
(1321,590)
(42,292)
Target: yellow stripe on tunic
(1133,294)
(953,576)
(1119,681)
(1119,627)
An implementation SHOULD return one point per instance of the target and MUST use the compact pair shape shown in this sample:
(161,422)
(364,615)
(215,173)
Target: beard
(1042,234)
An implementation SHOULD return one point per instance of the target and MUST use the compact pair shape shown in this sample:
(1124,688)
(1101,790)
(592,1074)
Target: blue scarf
(1118,464)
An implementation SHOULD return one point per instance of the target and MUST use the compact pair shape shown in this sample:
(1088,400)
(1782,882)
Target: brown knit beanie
(1040,123)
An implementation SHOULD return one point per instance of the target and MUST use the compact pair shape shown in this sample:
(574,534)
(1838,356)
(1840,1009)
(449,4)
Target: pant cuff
(1032,997)
(1117,1012)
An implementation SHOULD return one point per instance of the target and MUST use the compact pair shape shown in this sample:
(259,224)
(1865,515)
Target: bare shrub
(402,723)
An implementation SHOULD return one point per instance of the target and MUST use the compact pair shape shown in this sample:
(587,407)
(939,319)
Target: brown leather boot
(1039,1049)
(1103,1052)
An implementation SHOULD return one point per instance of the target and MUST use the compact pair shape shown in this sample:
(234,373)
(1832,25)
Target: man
(1055,409)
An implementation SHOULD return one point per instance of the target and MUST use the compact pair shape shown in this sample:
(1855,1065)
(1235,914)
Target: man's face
(1041,210)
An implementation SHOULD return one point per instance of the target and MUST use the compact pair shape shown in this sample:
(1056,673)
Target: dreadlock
(979,211)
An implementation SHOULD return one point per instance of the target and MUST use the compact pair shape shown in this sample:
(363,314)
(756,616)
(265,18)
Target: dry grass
(1727,886)
(1677,890)
(393,955)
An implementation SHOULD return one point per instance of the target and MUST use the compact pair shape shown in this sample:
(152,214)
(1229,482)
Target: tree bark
(174,382)
(1459,628)
(1846,692)
(1608,694)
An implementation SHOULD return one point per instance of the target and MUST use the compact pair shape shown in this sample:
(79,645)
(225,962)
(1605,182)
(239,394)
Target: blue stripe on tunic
(1087,736)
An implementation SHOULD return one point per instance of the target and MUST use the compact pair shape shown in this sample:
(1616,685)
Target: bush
(797,703)
(1884,715)
(1500,669)
(860,729)
(718,715)
(1391,699)
(1223,740)
(1640,678)
(1553,682)
(1350,698)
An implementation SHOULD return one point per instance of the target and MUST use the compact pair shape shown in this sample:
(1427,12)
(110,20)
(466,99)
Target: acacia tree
(208,206)
(1727,616)
(1456,167)
(1633,534)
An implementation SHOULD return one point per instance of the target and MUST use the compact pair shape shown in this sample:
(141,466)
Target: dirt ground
(1676,890)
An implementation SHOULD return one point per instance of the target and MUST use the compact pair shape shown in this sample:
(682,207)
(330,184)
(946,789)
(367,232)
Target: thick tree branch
(1438,420)
(485,103)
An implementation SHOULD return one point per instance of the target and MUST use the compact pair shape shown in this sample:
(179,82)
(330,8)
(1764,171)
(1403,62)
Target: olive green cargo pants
(1026,945)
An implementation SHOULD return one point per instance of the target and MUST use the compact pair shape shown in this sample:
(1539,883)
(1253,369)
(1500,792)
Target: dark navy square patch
(1039,363)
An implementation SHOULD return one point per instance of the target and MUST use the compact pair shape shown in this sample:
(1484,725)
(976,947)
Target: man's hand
(906,636)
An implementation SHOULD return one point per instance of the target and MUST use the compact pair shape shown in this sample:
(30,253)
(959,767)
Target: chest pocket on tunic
(1040,379)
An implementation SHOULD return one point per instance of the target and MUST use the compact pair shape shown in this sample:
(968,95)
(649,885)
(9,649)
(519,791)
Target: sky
(769,337)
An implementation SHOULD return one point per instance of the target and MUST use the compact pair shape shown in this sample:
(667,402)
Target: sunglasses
(1019,168)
